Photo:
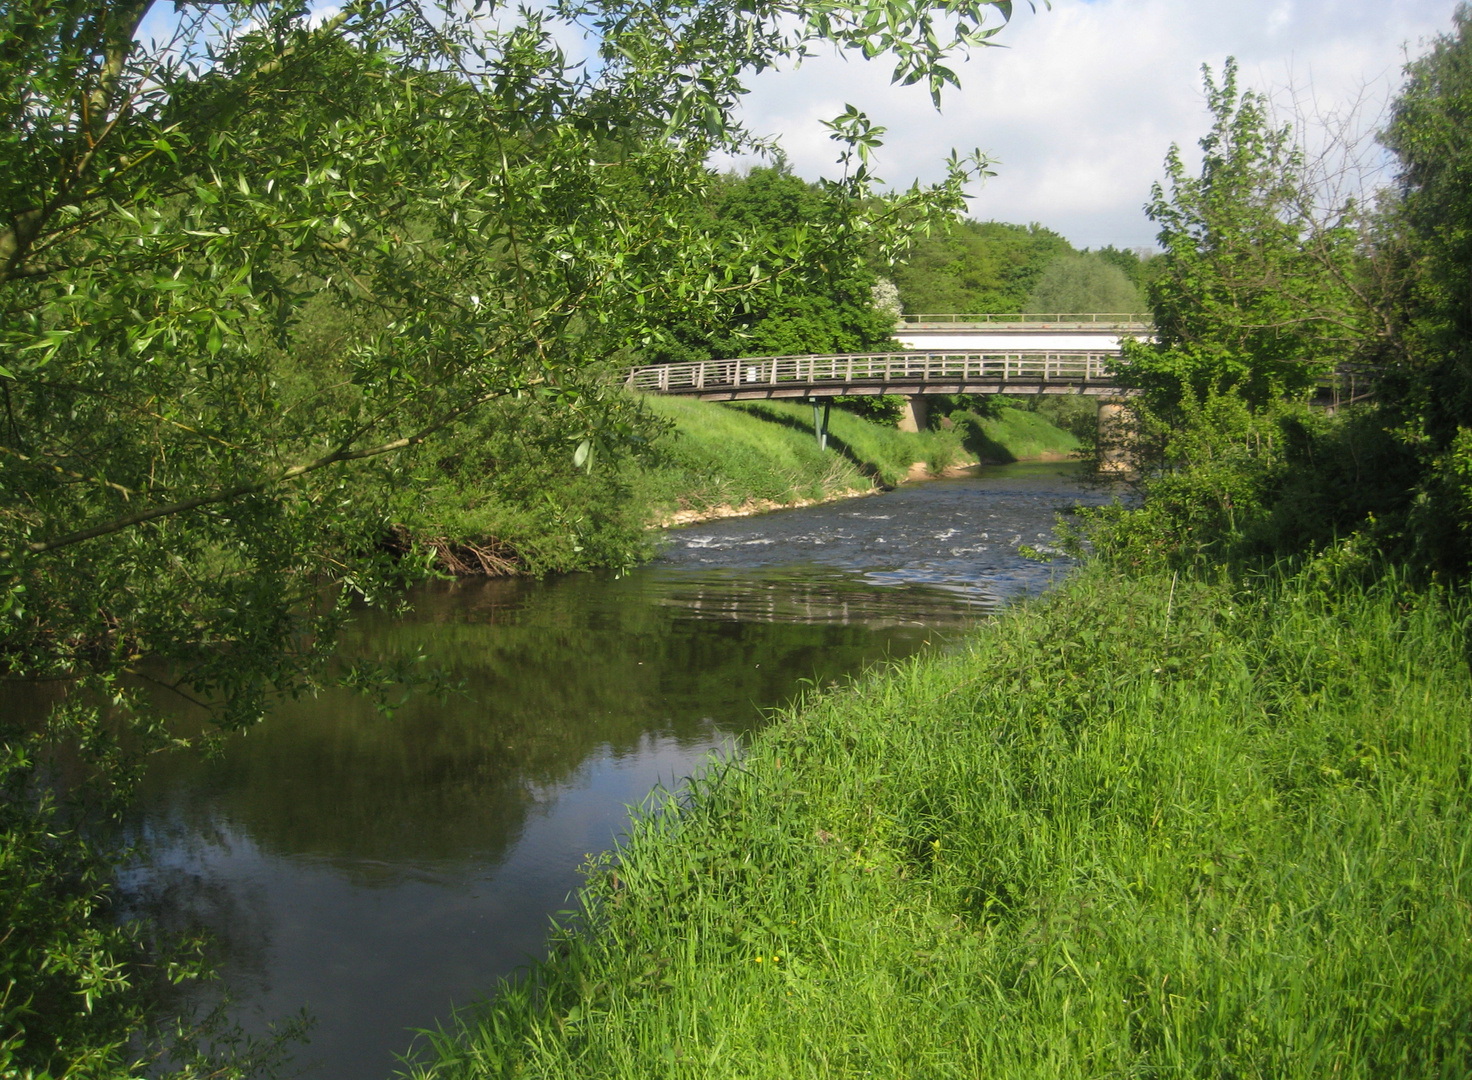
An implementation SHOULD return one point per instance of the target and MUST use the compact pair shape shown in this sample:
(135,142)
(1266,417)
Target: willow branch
(342,454)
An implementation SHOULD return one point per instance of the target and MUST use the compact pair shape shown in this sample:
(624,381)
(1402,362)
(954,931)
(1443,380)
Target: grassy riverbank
(1011,434)
(727,454)
(1148,826)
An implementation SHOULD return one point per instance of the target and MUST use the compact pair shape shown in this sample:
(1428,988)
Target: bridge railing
(905,368)
(1108,320)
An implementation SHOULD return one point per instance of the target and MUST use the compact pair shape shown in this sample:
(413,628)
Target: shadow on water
(380,869)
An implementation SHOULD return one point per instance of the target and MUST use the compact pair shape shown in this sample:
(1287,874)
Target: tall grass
(1148,827)
(714,454)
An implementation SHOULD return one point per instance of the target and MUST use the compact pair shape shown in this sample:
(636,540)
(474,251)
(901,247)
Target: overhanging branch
(341,454)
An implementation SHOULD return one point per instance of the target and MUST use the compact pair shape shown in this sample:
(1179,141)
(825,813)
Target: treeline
(848,300)
(976,267)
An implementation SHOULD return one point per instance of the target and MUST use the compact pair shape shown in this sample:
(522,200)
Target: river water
(379,870)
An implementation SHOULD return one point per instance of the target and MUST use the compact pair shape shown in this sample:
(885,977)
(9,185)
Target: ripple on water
(928,535)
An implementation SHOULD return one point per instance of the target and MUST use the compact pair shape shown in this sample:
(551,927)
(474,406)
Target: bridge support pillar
(1114,437)
(820,421)
(915,416)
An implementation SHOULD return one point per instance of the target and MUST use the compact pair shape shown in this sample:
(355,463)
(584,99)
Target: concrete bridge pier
(1114,433)
(916,415)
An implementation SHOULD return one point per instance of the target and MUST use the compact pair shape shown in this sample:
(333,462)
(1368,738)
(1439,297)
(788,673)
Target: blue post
(820,426)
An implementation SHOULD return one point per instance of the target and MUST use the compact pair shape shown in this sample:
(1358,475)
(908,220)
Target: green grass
(719,454)
(1014,435)
(1149,827)
(881,449)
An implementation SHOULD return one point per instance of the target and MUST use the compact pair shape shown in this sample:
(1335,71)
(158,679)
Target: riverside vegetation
(1205,809)
(1154,825)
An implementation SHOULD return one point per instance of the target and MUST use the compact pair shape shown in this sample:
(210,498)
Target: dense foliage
(1430,372)
(826,306)
(977,266)
(1085,283)
(1267,297)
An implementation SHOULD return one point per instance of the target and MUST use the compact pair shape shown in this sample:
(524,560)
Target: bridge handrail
(1102,320)
(1067,365)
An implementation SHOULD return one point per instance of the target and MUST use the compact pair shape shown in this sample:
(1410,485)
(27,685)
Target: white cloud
(1081,106)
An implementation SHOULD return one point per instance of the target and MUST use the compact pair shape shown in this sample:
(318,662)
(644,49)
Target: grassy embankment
(1013,434)
(1145,827)
(765,450)
(760,446)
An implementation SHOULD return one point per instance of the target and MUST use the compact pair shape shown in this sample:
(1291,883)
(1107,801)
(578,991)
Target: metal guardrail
(881,369)
(1115,320)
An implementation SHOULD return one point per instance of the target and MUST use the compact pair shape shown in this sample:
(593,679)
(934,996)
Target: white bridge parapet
(1119,321)
(1029,371)
(1020,333)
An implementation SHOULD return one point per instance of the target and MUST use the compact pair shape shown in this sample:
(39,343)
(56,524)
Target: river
(379,870)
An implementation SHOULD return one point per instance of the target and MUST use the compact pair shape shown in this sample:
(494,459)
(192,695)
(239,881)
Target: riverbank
(752,507)
(534,511)
(1145,825)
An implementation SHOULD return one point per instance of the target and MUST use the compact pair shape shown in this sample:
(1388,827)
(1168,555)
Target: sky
(1080,106)
(1080,101)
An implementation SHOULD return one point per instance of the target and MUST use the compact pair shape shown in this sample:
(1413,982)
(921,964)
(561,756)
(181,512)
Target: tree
(247,273)
(825,305)
(1084,283)
(1428,237)
(1254,292)
(974,267)
(1134,262)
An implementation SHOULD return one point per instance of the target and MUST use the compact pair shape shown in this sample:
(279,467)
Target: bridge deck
(1024,372)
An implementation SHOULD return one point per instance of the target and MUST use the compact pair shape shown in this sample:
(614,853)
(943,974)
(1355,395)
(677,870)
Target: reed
(1149,826)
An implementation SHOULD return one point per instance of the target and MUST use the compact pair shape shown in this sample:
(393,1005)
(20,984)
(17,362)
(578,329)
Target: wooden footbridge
(944,354)
(1015,371)
(1060,353)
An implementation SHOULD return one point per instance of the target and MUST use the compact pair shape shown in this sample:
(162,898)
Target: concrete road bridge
(1019,333)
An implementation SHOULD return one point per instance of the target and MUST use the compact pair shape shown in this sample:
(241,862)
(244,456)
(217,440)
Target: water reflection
(378,869)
